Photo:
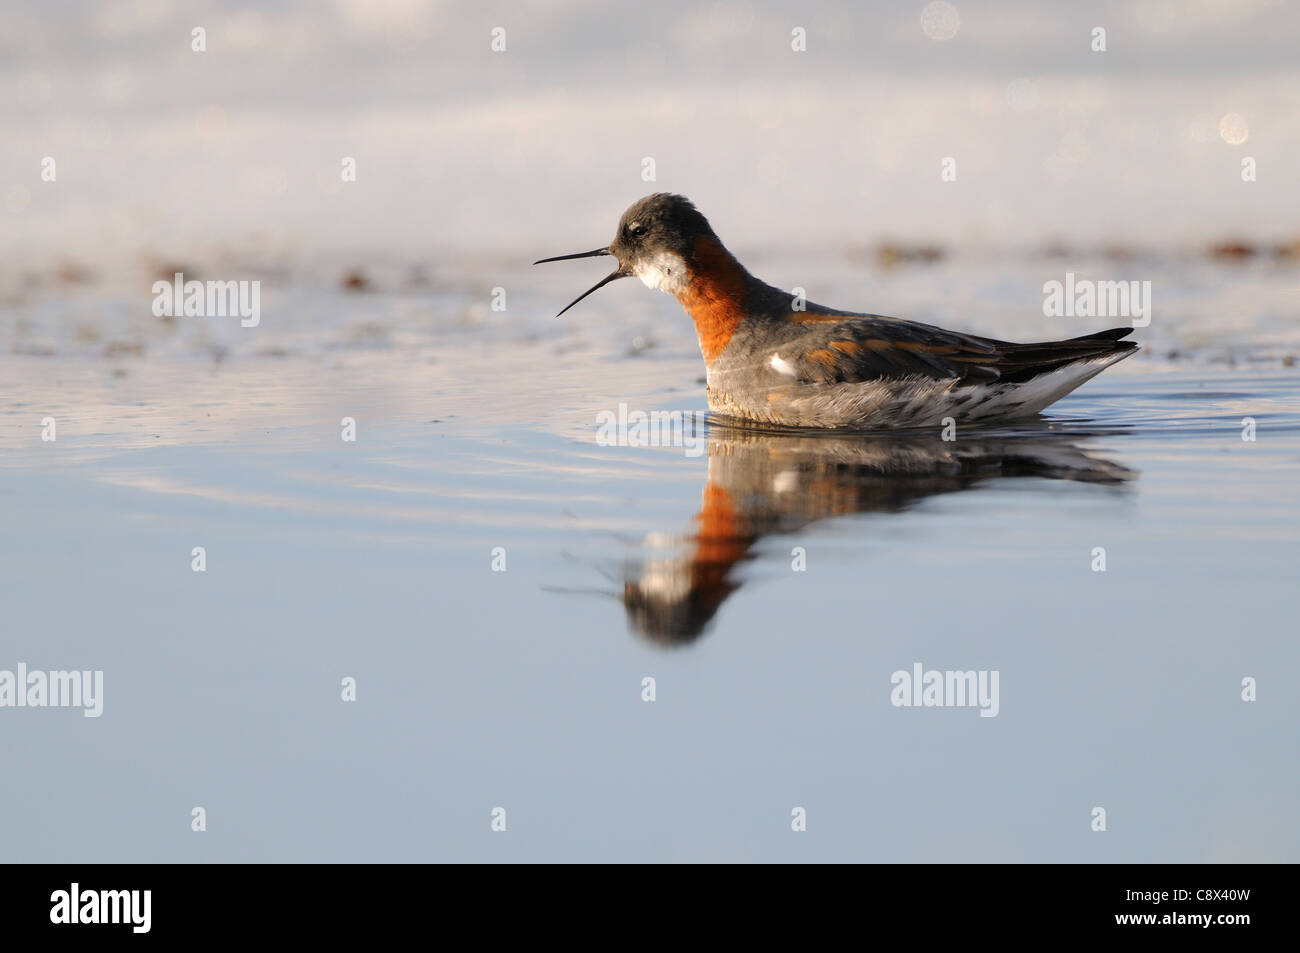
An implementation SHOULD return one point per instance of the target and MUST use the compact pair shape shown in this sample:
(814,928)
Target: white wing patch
(781,367)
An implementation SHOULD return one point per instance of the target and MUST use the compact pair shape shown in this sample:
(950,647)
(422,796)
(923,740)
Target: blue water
(523,688)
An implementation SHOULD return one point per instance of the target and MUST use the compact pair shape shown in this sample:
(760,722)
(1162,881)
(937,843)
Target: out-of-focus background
(161,149)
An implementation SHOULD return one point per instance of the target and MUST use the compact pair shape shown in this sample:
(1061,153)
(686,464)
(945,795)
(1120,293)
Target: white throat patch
(664,271)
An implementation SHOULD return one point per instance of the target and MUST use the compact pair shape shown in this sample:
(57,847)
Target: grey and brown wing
(863,349)
(872,348)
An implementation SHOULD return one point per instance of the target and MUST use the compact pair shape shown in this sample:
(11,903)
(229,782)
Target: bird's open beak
(620,272)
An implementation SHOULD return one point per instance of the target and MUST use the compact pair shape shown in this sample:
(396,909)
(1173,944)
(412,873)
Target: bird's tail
(1023,362)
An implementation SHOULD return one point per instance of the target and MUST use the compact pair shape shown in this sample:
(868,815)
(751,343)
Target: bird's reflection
(760,483)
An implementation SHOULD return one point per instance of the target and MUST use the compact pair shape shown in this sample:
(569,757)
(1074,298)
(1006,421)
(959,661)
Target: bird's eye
(637,230)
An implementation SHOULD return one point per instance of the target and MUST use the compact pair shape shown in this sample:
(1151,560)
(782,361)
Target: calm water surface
(770,585)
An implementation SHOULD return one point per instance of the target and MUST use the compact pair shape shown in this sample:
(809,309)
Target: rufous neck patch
(719,545)
(714,296)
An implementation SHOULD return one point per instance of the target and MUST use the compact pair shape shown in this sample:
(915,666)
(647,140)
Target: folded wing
(872,348)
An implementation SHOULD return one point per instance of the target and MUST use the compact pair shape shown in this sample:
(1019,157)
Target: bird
(775,358)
